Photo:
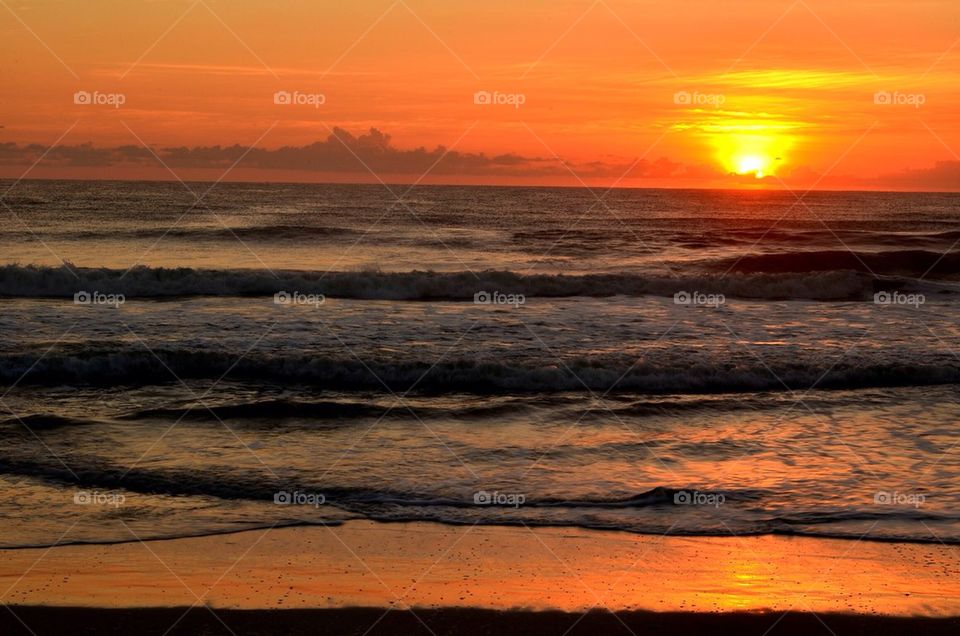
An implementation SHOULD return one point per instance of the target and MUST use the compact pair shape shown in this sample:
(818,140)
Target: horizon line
(760,187)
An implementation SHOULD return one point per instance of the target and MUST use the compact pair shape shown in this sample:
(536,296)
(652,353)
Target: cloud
(84,155)
(344,152)
(942,176)
(354,157)
(340,152)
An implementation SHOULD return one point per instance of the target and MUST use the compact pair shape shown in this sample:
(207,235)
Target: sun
(756,164)
(760,154)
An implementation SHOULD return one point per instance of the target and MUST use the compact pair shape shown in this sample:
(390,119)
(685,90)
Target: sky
(860,94)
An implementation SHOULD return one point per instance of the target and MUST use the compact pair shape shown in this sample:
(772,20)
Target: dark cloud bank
(343,152)
(340,152)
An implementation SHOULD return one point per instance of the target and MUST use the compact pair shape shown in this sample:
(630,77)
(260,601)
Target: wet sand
(517,573)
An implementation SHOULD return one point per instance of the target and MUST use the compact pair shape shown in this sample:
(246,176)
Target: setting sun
(757,154)
(752,164)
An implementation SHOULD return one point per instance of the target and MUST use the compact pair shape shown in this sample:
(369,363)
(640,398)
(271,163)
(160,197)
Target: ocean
(683,362)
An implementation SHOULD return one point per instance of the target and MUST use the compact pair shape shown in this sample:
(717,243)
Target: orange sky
(785,90)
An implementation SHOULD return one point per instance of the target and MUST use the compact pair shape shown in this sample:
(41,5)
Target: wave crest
(139,367)
(31,281)
(913,263)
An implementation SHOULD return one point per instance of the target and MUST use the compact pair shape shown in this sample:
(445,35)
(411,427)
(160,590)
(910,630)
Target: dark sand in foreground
(443,622)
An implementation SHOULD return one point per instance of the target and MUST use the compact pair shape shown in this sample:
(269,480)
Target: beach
(712,426)
(483,579)
(424,318)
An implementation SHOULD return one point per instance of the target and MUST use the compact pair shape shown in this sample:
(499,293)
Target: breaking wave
(133,367)
(777,281)
(913,263)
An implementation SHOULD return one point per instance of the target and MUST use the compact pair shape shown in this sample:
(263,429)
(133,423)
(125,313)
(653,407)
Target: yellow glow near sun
(759,154)
(752,163)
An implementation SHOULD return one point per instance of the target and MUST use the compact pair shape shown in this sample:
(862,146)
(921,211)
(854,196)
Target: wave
(288,409)
(661,510)
(328,411)
(896,235)
(134,367)
(262,232)
(31,281)
(912,263)
(280,409)
(709,404)
(44,421)
(178,483)
(657,496)
(855,536)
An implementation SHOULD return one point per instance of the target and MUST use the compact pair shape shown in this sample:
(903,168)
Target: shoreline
(175,621)
(366,564)
(456,524)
